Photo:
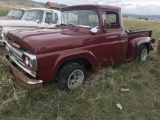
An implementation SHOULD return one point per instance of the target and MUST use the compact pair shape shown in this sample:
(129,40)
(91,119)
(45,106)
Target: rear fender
(135,43)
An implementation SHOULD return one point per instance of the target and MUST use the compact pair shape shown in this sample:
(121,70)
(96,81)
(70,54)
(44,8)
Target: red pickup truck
(90,37)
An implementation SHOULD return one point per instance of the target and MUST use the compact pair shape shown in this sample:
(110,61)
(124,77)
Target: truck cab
(14,14)
(89,37)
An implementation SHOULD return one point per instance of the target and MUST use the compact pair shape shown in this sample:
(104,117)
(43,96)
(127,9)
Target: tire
(142,53)
(71,76)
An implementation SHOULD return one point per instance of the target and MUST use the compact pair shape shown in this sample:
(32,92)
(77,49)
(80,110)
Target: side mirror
(94,30)
(37,21)
(107,24)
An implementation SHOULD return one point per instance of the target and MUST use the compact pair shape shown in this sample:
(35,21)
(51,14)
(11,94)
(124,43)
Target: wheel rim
(75,79)
(144,54)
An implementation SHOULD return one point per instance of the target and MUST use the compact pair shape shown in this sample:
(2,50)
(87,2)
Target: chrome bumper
(20,77)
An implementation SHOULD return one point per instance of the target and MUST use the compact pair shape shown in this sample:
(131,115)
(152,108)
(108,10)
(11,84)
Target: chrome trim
(17,52)
(16,55)
(2,33)
(33,83)
(34,60)
(32,73)
(2,42)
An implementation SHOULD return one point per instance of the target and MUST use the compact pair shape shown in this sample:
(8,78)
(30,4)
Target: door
(51,19)
(114,46)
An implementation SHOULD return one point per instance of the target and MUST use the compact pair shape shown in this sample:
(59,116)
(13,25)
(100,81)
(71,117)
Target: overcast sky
(139,7)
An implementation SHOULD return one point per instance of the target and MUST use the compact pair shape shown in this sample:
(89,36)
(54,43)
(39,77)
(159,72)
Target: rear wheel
(71,76)
(142,53)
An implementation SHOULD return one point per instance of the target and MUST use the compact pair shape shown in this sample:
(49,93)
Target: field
(97,98)
(4,8)
(7,5)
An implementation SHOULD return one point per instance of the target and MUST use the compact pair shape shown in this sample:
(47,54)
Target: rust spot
(158,48)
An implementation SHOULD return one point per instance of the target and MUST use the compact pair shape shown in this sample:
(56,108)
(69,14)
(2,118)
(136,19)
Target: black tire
(142,53)
(65,74)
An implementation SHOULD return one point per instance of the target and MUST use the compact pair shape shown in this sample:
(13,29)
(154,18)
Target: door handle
(122,35)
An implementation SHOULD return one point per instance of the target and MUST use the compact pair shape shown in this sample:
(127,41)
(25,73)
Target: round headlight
(2,33)
(26,60)
(30,63)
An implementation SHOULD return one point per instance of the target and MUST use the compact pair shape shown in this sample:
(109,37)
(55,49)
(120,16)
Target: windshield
(33,15)
(16,13)
(81,18)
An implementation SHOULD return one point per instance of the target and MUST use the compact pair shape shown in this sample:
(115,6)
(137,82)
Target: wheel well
(82,61)
(147,45)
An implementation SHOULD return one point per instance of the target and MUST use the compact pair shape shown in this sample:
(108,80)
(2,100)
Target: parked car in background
(14,14)
(32,19)
(90,37)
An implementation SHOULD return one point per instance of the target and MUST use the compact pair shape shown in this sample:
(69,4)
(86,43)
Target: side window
(112,17)
(49,18)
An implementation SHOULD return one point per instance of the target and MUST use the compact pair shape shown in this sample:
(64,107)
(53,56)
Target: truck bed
(143,33)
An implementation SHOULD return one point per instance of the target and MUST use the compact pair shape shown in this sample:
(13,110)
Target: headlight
(2,33)
(30,61)
(26,61)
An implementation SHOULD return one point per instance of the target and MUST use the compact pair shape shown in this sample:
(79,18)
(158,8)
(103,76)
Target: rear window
(113,17)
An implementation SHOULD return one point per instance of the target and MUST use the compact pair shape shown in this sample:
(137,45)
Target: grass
(5,8)
(97,98)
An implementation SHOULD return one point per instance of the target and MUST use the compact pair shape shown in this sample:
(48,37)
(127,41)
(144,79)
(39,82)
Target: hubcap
(144,54)
(75,79)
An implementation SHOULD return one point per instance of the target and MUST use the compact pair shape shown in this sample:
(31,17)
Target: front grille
(13,42)
(19,62)
(18,59)
(16,56)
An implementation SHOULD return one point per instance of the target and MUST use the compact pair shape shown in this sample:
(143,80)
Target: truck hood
(17,23)
(48,40)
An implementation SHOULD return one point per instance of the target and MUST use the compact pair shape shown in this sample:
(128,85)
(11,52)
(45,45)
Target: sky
(137,7)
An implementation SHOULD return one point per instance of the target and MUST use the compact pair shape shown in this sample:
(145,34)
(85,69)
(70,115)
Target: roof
(44,9)
(19,8)
(53,5)
(91,6)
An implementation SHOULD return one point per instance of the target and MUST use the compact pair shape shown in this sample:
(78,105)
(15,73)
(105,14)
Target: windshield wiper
(62,24)
(72,25)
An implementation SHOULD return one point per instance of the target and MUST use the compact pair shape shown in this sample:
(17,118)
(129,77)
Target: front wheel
(142,53)
(71,76)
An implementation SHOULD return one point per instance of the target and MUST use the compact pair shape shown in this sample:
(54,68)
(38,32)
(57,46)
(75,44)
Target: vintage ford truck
(90,37)
(14,14)
(32,19)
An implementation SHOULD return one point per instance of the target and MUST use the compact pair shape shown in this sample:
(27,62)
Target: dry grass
(97,98)
(5,8)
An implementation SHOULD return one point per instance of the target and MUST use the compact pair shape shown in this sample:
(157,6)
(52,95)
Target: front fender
(50,63)
(70,56)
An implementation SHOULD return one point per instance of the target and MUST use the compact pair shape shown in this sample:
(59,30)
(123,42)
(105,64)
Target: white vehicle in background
(32,19)
(14,14)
